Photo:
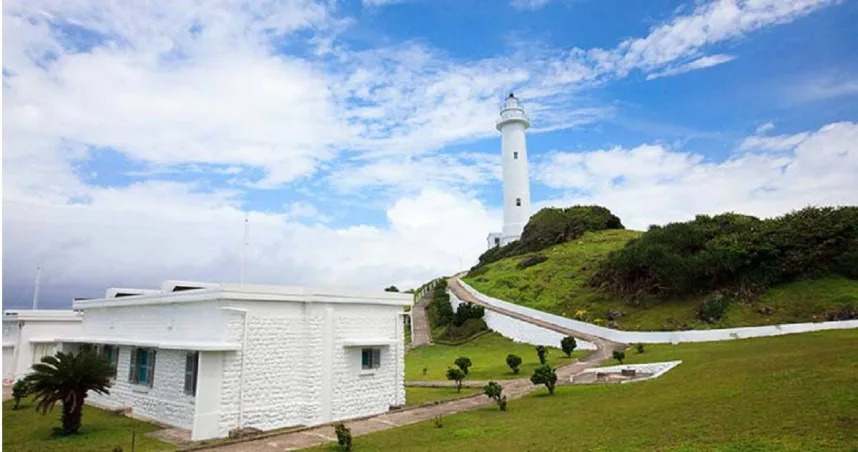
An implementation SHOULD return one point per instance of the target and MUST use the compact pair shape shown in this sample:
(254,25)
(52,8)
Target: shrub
(619,355)
(494,391)
(551,226)
(467,311)
(541,352)
(463,363)
(531,261)
(438,421)
(568,345)
(640,347)
(439,310)
(713,308)
(737,254)
(514,362)
(544,375)
(19,391)
(344,436)
(455,374)
(470,328)
(391,289)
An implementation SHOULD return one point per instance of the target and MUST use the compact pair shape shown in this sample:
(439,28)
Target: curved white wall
(521,331)
(661,337)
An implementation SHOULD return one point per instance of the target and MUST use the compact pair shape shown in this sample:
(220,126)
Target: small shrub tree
(467,311)
(344,436)
(619,355)
(455,374)
(541,352)
(514,362)
(640,347)
(19,391)
(463,363)
(391,289)
(544,375)
(438,421)
(494,391)
(568,345)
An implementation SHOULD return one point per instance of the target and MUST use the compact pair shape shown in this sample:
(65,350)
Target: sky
(358,139)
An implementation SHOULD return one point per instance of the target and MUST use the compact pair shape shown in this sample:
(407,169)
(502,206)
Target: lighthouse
(516,185)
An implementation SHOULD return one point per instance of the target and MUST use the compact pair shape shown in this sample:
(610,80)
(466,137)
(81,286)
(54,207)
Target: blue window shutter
(132,373)
(150,378)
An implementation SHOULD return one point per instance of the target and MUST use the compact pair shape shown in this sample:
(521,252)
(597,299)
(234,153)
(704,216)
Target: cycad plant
(66,378)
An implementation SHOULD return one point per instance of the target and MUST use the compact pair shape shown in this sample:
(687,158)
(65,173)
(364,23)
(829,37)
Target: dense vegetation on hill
(551,226)
(712,272)
(452,326)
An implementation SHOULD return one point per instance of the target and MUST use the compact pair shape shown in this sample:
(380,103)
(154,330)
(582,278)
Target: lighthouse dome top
(512,111)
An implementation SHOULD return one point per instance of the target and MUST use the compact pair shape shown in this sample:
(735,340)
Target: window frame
(370,358)
(148,368)
(193,373)
(515,155)
(518,202)
(111,352)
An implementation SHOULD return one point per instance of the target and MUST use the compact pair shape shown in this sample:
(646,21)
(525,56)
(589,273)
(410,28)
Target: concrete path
(420,322)
(601,344)
(323,434)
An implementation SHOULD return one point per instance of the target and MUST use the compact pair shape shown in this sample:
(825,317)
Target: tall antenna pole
(244,252)
(36,291)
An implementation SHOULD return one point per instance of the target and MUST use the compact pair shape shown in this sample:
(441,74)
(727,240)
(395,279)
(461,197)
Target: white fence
(660,337)
(521,331)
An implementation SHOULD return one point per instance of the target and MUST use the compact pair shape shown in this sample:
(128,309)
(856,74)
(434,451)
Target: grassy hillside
(560,286)
(793,392)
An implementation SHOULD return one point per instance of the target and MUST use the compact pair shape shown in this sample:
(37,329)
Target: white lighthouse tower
(516,185)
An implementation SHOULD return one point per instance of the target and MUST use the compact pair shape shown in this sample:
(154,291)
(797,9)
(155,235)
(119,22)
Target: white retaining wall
(521,331)
(661,337)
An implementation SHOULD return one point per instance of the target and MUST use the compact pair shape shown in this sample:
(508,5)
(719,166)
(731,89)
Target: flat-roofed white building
(28,335)
(215,357)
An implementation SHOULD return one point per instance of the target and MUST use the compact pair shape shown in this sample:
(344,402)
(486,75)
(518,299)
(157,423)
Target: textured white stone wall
(24,352)
(187,322)
(165,401)
(662,337)
(520,331)
(296,374)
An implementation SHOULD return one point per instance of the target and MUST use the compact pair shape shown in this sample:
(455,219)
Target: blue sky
(358,137)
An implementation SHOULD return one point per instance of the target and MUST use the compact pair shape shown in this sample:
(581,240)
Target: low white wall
(661,337)
(521,331)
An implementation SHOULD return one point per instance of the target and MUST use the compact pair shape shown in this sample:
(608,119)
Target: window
(518,202)
(111,352)
(191,361)
(497,241)
(515,155)
(142,366)
(370,358)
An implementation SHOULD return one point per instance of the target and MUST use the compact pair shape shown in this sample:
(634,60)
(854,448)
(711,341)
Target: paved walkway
(419,321)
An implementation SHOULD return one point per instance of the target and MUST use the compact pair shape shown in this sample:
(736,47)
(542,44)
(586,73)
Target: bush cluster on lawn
(551,226)
(462,324)
(494,391)
(467,311)
(738,255)
(439,310)
(514,362)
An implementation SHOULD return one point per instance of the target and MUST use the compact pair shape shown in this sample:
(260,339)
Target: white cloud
(528,4)
(765,127)
(699,63)
(653,184)
(774,143)
(822,88)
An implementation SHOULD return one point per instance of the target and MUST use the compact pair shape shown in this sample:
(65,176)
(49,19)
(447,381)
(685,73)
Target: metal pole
(36,291)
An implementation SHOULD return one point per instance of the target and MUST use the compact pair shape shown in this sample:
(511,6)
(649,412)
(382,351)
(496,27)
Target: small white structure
(636,372)
(516,184)
(28,335)
(215,357)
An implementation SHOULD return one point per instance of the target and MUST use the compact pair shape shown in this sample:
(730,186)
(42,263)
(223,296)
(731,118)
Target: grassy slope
(559,286)
(419,396)
(26,430)
(795,392)
(487,353)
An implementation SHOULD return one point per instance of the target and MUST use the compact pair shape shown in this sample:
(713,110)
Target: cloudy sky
(358,137)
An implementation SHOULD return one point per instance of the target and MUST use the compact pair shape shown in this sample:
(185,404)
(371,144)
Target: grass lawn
(26,430)
(419,396)
(488,356)
(796,392)
(560,286)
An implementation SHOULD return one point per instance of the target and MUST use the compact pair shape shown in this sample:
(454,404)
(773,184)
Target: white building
(28,335)
(216,357)
(516,185)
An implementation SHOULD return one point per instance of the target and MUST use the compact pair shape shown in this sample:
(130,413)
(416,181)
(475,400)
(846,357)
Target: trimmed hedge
(737,255)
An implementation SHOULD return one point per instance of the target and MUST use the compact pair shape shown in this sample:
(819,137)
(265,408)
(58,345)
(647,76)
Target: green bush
(544,375)
(494,391)
(514,362)
(639,347)
(712,309)
(439,310)
(619,355)
(568,344)
(19,391)
(736,254)
(456,374)
(463,363)
(541,352)
(551,226)
(470,328)
(344,436)
(467,311)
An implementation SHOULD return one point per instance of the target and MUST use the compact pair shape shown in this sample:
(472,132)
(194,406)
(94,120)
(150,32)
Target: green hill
(754,272)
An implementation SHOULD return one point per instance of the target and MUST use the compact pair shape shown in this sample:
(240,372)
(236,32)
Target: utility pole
(243,252)
(36,291)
